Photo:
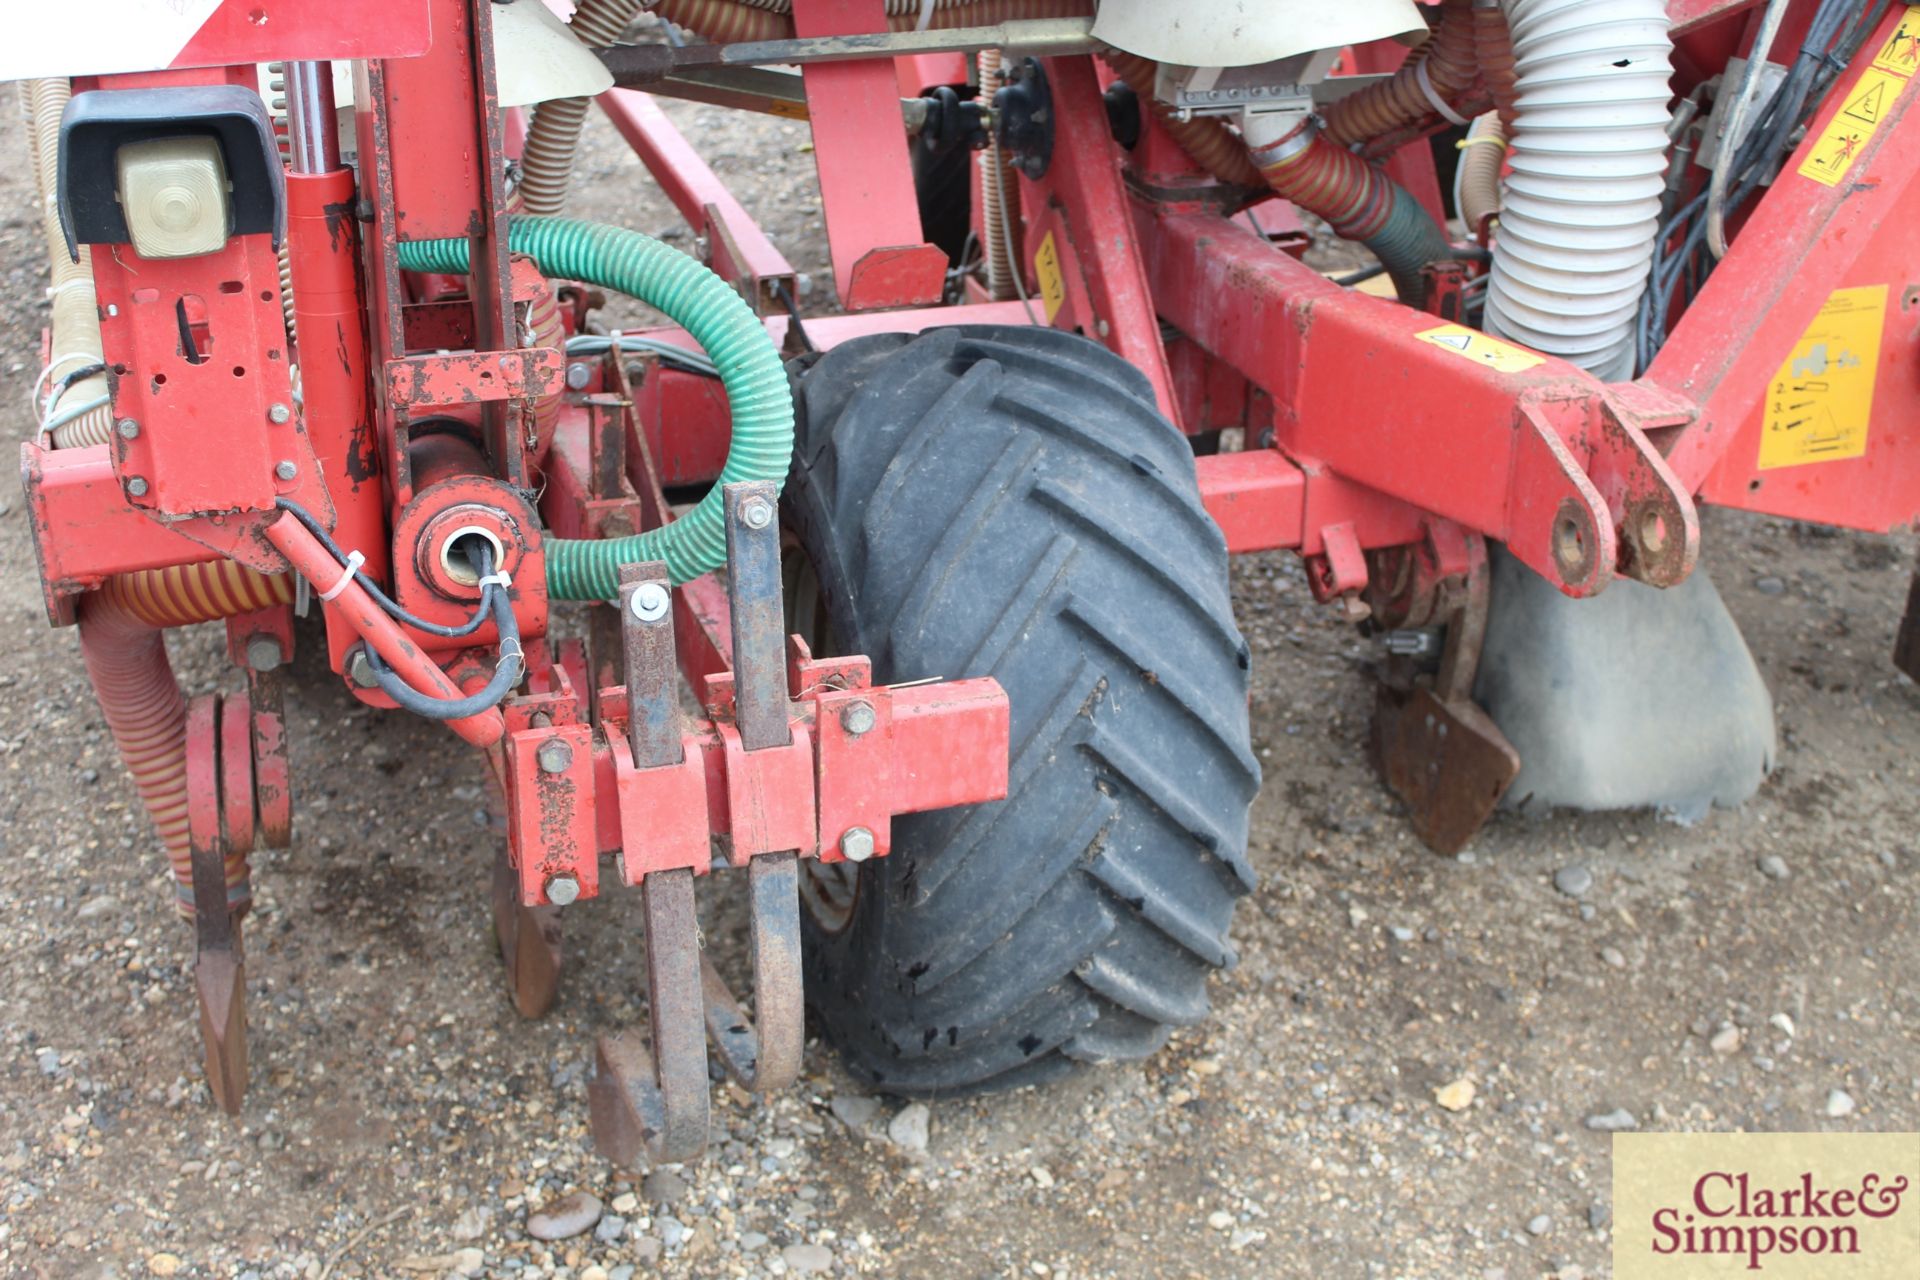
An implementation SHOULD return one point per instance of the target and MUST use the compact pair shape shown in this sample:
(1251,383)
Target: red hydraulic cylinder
(322,244)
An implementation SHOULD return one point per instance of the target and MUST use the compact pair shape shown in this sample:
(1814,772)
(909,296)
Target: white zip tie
(1425,82)
(354,561)
(495,580)
(78,282)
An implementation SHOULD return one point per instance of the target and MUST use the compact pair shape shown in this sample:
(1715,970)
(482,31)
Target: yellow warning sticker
(1822,399)
(1046,268)
(1901,53)
(1845,136)
(1481,349)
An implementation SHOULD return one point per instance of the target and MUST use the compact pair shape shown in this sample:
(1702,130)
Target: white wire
(62,418)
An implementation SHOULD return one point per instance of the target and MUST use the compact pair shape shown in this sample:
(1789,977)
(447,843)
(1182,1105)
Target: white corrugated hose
(1581,206)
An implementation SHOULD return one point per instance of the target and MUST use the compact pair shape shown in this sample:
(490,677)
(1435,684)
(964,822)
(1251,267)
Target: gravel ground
(1411,1073)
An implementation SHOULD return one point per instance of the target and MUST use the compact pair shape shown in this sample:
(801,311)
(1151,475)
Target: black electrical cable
(1681,265)
(489,593)
(506,672)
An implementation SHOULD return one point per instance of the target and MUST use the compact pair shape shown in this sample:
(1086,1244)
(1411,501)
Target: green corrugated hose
(708,308)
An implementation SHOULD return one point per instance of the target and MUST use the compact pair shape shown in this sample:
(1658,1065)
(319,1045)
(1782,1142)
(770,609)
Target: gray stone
(622,1272)
(470,1225)
(857,1113)
(99,905)
(752,1241)
(1574,881)
(672,1231)
(1618,1120)
(1599,1214)
(1539,1225)
(1725,1041)
(1839,1104)
(1614,957)
(566,1217)
(1772,866)
(664,1186)
(48,1060)
(610,1229)
(808,1258)
(1768,584)
(909,1130)
(1401,933)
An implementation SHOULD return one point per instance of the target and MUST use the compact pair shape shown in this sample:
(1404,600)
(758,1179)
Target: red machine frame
(1381,455)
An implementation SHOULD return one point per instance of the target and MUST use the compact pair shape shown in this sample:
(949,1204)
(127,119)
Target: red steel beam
(880,258)
(1543,458)
(1804,241)
(739,248)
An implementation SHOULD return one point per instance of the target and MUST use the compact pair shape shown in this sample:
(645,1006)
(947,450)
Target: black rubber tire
(1008,501)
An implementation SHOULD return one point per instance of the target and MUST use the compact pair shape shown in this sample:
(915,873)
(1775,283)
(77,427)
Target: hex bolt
(757,514)
(278,414)
(650,601)
(263,653)
(128,429)
(856,844)
(285,469)
(359,669)
(553,757)
(136,487)
(857,717)
(562,890)
(578,375)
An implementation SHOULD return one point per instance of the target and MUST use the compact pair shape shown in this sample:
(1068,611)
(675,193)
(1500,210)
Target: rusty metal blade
(1446,759)
(219,978)
(529,942)
(654,1101)
(764,1052)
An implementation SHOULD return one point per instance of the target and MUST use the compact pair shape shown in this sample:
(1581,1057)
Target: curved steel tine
(219,967)
(654,1100)
(764,1053)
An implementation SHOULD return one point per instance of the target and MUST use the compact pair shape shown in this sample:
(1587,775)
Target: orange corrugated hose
(548,331)
(1445,62)
(1328,181)
(125,652)
(1493,51)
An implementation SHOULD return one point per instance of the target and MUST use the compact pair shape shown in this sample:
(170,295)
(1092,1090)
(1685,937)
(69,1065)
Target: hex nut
(562,890)
(263,653)
(278,414)
(285,469)
(856,844)
(359,669)
(553,756)
(579,374)
(650,601)
(857,718)
(136,487)
(757,514)
(128,429)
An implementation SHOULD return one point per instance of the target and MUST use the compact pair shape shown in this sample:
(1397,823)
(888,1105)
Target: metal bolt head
(757,514)
(128,429)
(650,601)
(562,890)
(359,670)
(137,487)
(263,653)
(579,374)
(285,469)
(857,717)
(553,756)
(856,844)
(278,414)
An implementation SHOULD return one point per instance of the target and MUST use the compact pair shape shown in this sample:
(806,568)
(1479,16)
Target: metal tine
(219,967)
(763,1053)
(654,1100)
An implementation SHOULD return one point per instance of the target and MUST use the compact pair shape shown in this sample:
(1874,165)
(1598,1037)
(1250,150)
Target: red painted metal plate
(138,35)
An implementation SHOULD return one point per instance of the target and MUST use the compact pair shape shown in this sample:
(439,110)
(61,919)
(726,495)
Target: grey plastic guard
(1638,698)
